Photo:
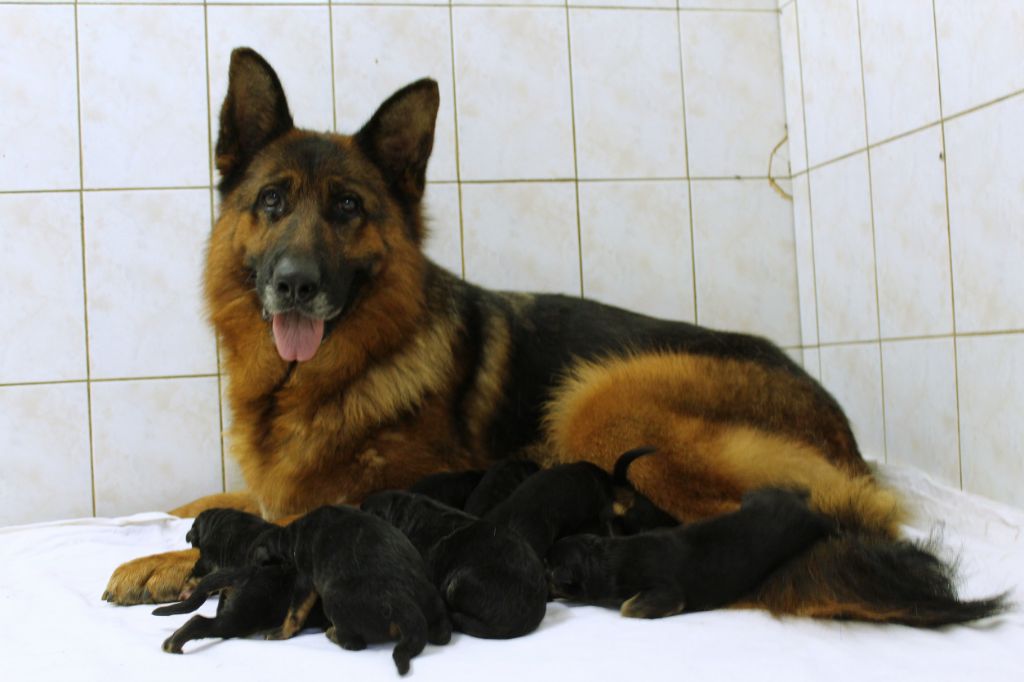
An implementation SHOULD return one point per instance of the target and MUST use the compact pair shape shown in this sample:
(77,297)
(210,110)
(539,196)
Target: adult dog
(355,364)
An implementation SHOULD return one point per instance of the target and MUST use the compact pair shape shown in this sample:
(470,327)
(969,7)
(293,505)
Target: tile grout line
(686,159)
(330,38)
(874,247)
(575,152)
(458,152)
(949,248)
(209,166)
(495,181)
(899,136)
(810,200)
(85,286)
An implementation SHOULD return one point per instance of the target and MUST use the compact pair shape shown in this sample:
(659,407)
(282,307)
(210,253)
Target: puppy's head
(578,568)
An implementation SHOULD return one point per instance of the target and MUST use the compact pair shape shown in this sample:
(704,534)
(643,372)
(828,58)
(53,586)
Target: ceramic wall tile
(42,314)
(735,105)
(745,259)
(793,88)
(986,216)
(444,231)
(852,373)
(911,236)
(39,137)
(522,236)
(627,93)
(920,406)
(44,453)
(143,92)
(900,73)
(980,51)
(144,258)
(991,371)
(843,254)
(513,100)
(156,444)
(833,92)
(636,246)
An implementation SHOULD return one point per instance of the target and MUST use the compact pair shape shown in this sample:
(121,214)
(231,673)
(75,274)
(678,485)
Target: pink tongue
(297,337)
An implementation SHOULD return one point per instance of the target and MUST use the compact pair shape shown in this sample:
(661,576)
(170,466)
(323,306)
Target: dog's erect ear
(400,136)
(254,112)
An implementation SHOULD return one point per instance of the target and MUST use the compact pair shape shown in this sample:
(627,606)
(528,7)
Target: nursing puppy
(697,567)
(452,488)
(371,581)
(565,500)
(493,582)
(223,538)
(254,600)
(497,484)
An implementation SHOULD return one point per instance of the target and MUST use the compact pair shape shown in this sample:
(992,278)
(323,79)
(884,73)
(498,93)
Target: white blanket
(53,624)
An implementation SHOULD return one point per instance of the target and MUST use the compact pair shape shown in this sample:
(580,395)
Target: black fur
(371,580)
(223,538)
(498,482)
(452,488)
(563,500)
(254,599)
(494,584)
(697,567)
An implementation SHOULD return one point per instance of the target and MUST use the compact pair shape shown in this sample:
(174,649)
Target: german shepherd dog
(355,364)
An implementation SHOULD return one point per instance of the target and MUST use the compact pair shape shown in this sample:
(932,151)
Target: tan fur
(698,412)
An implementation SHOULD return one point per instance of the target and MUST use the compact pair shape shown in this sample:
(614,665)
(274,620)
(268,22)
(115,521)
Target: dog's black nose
(296,280)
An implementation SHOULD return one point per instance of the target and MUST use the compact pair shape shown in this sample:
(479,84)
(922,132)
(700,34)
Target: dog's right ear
(254,113)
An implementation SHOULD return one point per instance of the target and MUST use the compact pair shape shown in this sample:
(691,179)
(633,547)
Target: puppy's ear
(260,555)
(400,137)
(254,113)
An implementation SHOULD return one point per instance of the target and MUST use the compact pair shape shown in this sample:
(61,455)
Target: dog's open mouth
(297,336)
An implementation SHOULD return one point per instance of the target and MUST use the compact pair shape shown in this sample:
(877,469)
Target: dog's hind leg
(653,604)
(198,627)
(303,601)
(212,583)
(349,641)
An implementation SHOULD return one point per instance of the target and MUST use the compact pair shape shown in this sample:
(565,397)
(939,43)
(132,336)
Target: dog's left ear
(400,137)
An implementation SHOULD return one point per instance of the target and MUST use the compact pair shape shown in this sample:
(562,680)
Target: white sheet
(54,625)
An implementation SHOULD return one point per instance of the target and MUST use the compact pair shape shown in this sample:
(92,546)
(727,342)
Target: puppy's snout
(296,279)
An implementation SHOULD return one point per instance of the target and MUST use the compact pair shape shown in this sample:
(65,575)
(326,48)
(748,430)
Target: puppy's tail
(858,576)
(215,582)
(620,473)
(410,626)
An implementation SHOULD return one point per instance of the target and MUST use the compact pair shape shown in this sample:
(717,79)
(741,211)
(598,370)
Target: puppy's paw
(652,604)
(155,579)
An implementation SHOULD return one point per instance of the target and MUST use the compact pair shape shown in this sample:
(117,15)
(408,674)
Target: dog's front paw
(155,579)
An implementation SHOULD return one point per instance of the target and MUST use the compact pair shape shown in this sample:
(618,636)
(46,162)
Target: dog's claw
(106,595)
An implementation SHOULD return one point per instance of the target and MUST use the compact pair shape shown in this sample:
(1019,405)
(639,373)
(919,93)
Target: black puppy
(494,584)
(254,600)
(223,537)
(450,487)
(565,500)
(371,581)
(696,567)
(497,484)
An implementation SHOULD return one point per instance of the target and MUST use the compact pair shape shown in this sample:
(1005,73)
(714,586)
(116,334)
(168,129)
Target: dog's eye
(271,199)
(347,205)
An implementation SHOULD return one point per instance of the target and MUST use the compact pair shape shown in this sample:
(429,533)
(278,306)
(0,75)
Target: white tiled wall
(909,225)
(617,149)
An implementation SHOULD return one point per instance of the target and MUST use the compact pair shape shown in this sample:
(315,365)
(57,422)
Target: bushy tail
(214,582)
(620,473)
(412,633)
(873,578)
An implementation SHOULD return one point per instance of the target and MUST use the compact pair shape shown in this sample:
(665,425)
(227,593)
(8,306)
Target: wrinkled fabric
(54,625)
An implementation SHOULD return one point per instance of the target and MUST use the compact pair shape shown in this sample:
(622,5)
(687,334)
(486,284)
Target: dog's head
(578,568)
(310,220)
